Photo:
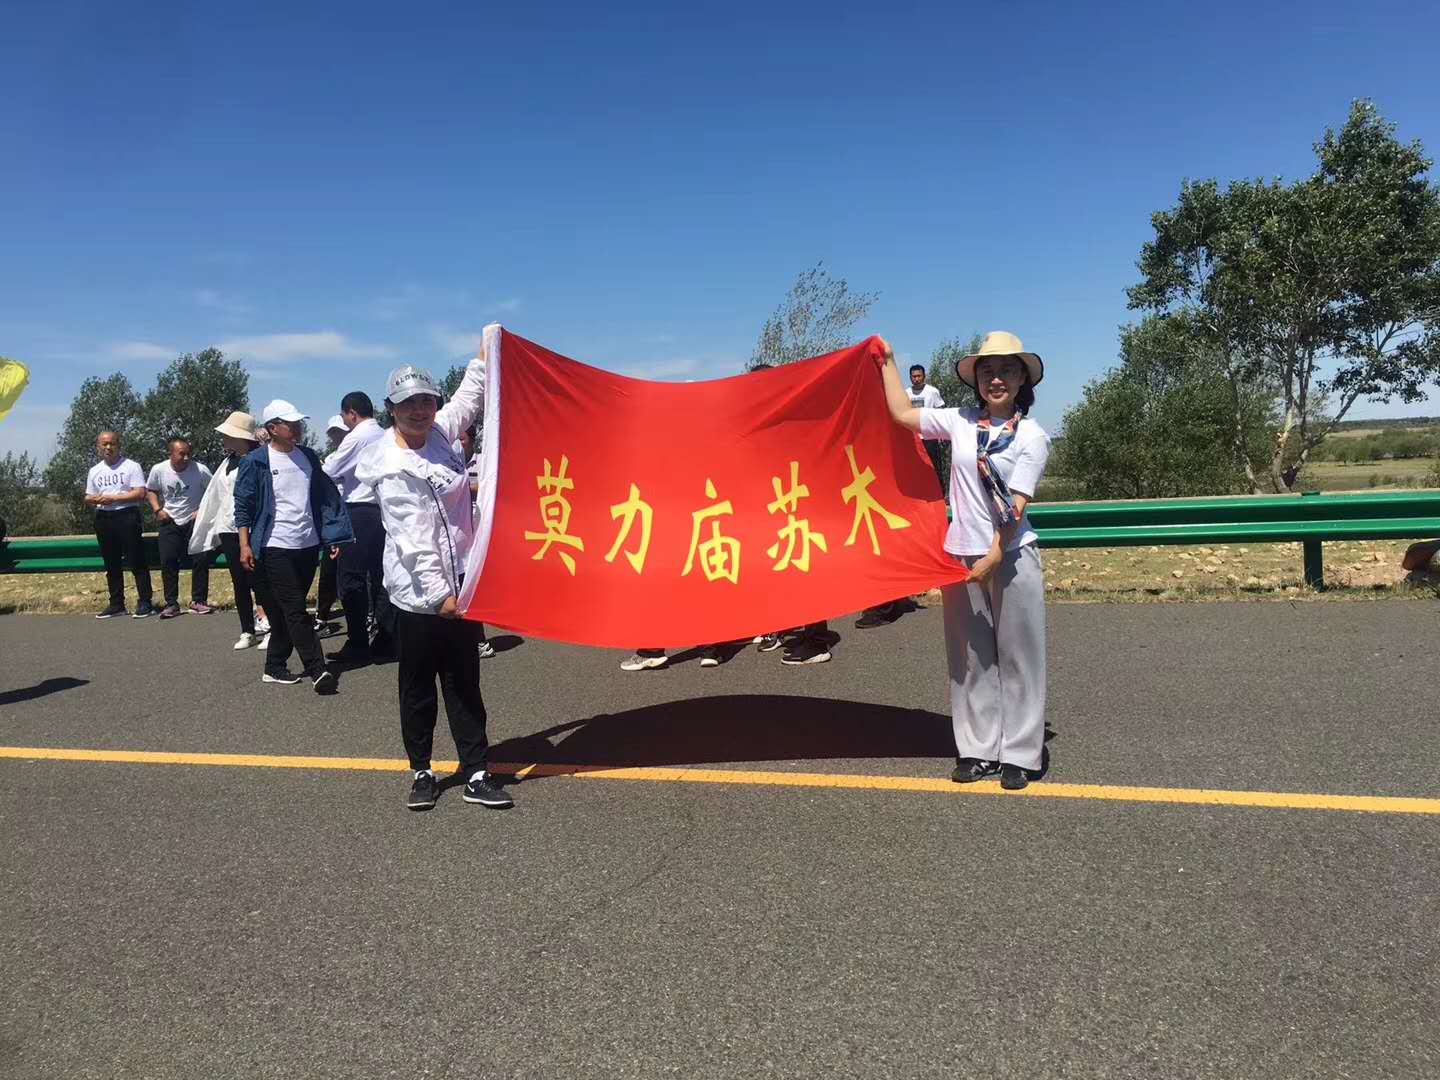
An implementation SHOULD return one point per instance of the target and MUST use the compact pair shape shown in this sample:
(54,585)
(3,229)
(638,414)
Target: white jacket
(425,503)
(217,510)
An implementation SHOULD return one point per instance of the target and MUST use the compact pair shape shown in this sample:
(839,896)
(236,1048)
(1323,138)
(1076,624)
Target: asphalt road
(181,920)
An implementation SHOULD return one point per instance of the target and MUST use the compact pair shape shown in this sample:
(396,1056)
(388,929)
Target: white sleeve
(154,484)
(90,486)
(938,424)
(468,403)
(936,401)
(407,515)
(342,461)
(137,475)
(1030,465)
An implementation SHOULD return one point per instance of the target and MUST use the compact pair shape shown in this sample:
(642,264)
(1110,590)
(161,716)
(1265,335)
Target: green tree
(1326,289)
(1159,424)
(189,398)
(108,404)
(22,501)
(818,315)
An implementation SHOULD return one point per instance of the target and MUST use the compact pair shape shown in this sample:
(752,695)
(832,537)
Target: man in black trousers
(115,486)
(361,579)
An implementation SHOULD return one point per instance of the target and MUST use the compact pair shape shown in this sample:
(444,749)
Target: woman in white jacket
(425,503)
(215,526)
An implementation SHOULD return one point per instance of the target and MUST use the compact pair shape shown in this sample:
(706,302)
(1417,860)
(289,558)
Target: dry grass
(1360,570)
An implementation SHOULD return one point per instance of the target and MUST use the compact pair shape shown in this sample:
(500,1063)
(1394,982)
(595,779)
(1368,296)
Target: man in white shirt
(924,396)
(175,489)
(115,486)
(360,574)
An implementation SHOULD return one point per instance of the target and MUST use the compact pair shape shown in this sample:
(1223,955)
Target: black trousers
(433,648)
(121,544)
(287,577)
(175,553)
(932,447)
(244,581)
(329,589)
(362,580)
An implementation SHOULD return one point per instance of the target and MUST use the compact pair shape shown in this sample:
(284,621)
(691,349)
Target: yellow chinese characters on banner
(716,553)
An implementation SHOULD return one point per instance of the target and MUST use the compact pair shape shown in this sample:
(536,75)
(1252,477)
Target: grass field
(1353,571)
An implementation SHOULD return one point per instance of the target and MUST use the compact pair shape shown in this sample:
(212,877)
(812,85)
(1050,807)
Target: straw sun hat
(1000,343)
(238,425)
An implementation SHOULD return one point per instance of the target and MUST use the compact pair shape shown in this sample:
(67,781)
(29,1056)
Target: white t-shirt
(294,521)
(124,475)
(1020,465)
(180,492)
(927,397)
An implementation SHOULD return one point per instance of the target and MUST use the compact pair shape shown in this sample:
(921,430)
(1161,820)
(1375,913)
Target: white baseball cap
(280,409)
(408,380)
(336,423)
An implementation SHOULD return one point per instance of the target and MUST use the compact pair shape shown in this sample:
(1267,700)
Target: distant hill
(1394,422)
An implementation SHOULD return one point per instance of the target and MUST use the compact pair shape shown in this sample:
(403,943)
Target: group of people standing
(395,509)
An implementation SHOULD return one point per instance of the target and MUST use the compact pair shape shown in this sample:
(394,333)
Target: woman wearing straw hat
(995,622)
(215,523)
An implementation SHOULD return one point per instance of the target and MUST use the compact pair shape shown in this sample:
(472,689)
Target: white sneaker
(264,642)
(247,641)
(709,656)
(262,625)
(486,650)
(640,662)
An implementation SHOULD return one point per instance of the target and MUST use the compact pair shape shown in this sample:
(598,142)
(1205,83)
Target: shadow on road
(739,727)
(40,689)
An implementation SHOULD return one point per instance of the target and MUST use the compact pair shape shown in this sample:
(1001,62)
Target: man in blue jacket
(285,509)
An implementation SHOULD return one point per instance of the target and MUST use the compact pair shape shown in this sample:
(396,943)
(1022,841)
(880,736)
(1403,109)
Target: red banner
(632,514)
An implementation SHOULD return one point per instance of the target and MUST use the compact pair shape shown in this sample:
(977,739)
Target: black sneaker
(883,615)
(326,683)
(1013,777)
(423,792)
(805,651)
(767,643)
(325,629)
(143,610)
(482,789)
(114,611)
(284,678)
(970,769)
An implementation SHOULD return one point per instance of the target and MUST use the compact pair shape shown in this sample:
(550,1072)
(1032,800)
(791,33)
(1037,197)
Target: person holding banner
(994,621)
(423,489)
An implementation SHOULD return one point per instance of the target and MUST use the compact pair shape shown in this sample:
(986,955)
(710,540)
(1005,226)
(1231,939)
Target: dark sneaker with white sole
(423,792)
(805,651)
(284,678)
(969,769)
(1013,777)
(482,789)
(326,683)
(143,610)
(114,611)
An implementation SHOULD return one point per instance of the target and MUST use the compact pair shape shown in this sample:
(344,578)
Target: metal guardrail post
(1314,558)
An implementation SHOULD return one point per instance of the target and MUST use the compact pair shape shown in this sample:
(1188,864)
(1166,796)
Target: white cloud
(685,368)
(142,350)
(454,343)
(215,300)
(320,345)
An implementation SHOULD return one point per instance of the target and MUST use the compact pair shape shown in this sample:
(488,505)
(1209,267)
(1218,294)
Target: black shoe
(482,789)
(284,678)
(767,643)
(970,769)
(143,610)
(325,629)
(883,615)
(423,792)
(350,656)
(1013,777)
(326,683)
(805,651)
(114,611)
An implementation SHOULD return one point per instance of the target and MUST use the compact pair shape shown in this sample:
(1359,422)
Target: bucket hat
(238,425)
(1000,343)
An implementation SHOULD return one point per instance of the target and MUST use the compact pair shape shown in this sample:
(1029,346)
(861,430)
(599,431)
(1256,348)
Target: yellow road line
(1278,800)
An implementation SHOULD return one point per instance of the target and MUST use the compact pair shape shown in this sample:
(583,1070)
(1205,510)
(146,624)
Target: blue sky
(327,190)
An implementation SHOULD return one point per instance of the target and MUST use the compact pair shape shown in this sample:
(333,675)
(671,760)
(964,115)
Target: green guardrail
(1309,519)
